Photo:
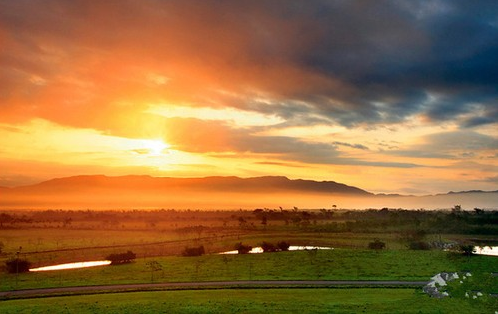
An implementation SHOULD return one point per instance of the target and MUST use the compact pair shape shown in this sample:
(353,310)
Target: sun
(155,147)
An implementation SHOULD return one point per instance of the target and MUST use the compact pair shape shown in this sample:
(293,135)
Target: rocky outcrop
(435,287)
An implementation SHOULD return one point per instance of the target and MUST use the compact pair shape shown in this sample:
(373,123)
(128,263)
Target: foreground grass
(254,301)
(338,264)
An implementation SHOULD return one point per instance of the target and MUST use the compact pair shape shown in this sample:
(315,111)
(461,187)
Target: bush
(268,247)
(17,265)
(467,249)
(243,249)
(283,246)
(376,245)
(121,258)
(419,245)
(194,251)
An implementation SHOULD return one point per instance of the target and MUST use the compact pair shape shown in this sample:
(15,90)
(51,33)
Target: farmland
(160,237)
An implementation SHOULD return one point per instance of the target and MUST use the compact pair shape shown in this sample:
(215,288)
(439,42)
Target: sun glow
(154,147)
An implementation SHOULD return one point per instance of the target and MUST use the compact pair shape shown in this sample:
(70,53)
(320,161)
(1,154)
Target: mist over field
(144,192)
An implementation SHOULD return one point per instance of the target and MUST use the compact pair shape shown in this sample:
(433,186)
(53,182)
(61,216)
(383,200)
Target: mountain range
(135,191)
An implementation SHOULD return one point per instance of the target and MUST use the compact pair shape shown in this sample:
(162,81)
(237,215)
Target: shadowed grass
(338,264)
(253,301)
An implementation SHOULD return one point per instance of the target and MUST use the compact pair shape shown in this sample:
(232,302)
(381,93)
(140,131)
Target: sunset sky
(389,96)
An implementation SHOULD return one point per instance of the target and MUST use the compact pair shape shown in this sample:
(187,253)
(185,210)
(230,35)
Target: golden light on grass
(71,266)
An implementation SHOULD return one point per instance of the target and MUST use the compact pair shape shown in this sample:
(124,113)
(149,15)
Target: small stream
(72,266)
(258,249)
(486,250)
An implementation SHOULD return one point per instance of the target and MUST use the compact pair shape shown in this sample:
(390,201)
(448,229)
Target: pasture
(160,239)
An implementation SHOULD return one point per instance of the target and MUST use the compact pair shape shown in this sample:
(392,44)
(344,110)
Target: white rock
(468,274)
(466,294)
(464,277)
(439,280)
(453,276)
(474,297)
(461,281)
(479,294)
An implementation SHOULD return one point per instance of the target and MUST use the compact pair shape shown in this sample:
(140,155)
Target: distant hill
(146,191)
(472,191)
(221,184)
(134,191)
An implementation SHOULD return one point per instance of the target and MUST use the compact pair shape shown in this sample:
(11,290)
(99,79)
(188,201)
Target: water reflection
(486,250)
(258,249)
(72,265)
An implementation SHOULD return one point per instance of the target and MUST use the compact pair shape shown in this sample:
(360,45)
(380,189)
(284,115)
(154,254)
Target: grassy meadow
(63,236)
(337,264)
(253,301)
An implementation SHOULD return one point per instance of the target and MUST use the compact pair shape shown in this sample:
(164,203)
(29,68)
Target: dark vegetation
(467,249)
(121,258)
(196,232)
(455,221)
(243,249)
(270,247)
(376,245)
(194,251)
(17,265)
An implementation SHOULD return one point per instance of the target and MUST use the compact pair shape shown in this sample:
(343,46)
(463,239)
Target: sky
(389,96)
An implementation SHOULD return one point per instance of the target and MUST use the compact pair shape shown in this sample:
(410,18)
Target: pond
(258,249)
(72,265)
(486,250)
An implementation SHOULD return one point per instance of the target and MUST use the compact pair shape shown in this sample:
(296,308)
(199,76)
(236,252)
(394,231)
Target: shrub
(121,258)
(419,245)
(467,249)
(194,251)
(17,265)
(283,246)
(376,245)
(268,247)
(243,249)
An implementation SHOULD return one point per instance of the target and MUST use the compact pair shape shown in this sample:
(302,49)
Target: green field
(51,242)
(254,301)
(337,264)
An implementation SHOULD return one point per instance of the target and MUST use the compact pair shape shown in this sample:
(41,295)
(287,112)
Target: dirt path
(30,293)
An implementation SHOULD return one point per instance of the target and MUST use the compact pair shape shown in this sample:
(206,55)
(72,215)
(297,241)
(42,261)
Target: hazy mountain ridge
(218,192)
(470,191)
(235,184)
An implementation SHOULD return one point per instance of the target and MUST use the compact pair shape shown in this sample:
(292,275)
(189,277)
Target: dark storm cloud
(352,63)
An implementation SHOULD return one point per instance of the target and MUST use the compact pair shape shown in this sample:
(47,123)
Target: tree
(153,266)
(194,251)
(268,247)
(17,265)
(467,249)
(264,221)
(376,245)
(456,209)
(243,249)
(283,246)
(121,258)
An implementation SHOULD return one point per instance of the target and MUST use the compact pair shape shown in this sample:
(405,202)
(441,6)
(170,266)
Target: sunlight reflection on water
(486,250)
(258,249)
(72,265)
